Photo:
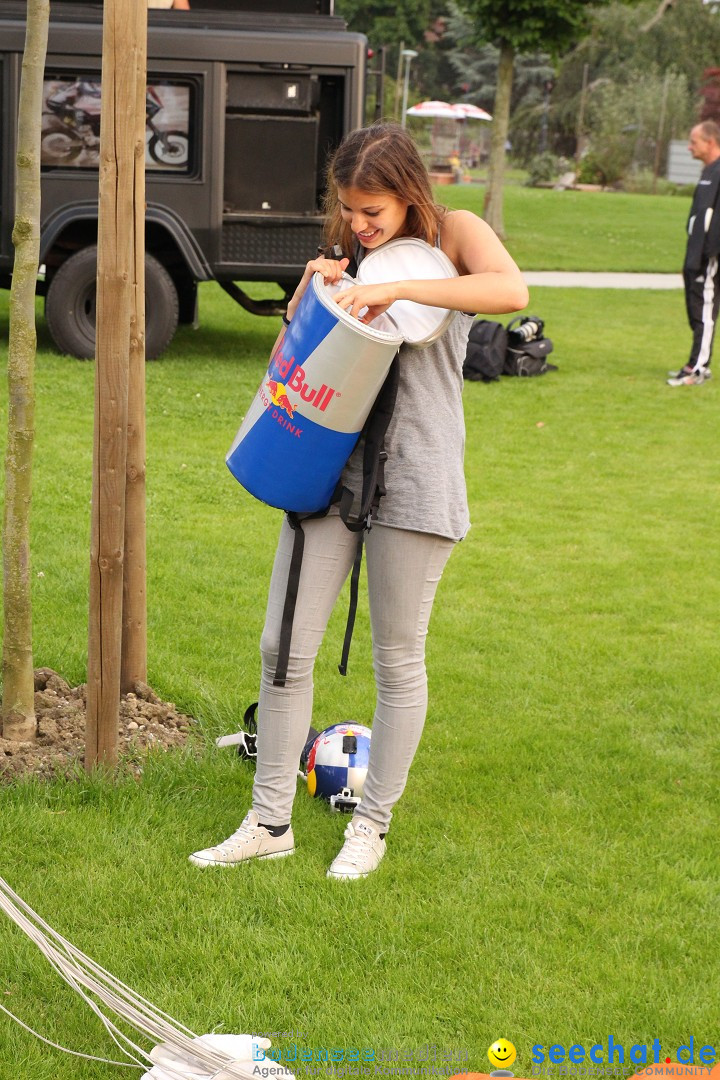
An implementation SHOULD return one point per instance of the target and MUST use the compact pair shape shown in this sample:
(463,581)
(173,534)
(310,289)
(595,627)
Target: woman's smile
(374,217)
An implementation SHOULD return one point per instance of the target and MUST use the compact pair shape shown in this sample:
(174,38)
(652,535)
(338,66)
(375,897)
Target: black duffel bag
(486,351)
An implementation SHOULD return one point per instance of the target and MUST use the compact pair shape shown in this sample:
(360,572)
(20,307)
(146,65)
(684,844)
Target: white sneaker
(690,378)
(250,841)
(361,853)
(687,370)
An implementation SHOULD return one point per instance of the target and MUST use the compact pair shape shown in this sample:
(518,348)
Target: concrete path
(583,280)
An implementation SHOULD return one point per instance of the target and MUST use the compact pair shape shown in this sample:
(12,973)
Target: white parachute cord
(70,973)
(74,975)
(70,963)
(65,1050)
(115,984)
(167,1068)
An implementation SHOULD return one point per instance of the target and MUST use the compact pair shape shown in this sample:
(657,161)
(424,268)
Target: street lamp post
(408,56)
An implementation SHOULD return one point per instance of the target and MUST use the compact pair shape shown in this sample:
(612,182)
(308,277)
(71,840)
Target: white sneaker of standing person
(251,841)
(361,853)
(688,376)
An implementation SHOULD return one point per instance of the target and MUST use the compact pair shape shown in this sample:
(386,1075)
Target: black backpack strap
(352,608)
(373,489)
(288,614)
(374,455)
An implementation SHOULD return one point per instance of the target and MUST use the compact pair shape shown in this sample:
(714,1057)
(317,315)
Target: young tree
(517,26)
(18,709)
(475,67)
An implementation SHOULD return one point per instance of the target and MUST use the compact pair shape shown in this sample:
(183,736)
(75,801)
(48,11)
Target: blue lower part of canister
(277,461)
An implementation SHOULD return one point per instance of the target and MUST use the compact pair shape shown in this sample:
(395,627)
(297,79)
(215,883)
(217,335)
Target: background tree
(631,123)
(517,26)
(412,24)
(390,26)
(627,53)
(18,708)
(476,67)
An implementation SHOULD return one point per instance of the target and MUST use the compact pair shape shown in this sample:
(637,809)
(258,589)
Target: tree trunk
(18,708)
(119,151)
(134,635)
(493,208)
(663,8)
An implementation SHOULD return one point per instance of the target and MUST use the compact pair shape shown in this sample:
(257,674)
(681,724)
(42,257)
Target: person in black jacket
(700,271)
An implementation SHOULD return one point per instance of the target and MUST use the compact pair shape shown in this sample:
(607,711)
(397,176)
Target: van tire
(70,306)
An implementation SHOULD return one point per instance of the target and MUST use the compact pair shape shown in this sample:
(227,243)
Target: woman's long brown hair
(381,159)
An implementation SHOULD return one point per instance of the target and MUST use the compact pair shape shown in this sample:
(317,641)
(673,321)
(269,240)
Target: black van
(243,109)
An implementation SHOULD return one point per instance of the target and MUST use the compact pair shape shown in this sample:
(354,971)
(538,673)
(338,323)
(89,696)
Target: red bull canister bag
(323,378)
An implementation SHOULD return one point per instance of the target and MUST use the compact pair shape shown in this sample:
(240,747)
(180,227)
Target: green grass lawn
(585,230)
(552,871)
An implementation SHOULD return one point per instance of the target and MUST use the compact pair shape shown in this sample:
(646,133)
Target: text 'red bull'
(319,398)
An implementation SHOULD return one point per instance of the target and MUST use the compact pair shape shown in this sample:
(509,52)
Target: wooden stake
(116,235)
(134,633)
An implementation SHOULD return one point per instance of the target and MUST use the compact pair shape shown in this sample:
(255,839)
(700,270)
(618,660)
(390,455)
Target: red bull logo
(279,397)
(318,397)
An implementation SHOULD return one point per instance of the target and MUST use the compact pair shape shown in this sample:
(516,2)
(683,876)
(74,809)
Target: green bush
(605,166)
(543,169)
(644,183)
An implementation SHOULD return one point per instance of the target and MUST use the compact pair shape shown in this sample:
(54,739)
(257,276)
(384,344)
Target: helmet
(336,761)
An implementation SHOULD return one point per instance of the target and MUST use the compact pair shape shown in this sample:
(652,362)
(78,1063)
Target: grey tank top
(425,441)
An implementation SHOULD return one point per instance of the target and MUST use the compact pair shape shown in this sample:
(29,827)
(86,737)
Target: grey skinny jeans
(403,571)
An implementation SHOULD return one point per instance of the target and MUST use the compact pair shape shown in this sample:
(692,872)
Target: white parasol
(471,112)
(434,110)
(442,110)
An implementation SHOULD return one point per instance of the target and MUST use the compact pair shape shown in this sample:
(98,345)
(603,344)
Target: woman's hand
(332,271)
(375,298)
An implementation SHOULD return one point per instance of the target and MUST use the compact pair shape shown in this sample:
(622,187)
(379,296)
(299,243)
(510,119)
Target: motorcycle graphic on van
(71,125)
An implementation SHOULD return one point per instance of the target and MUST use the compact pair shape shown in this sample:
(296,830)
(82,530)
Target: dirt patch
(146,723)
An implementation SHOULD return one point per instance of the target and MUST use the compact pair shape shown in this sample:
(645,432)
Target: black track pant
(702,300)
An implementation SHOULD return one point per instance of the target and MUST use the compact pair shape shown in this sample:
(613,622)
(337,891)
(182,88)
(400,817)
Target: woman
(378,190)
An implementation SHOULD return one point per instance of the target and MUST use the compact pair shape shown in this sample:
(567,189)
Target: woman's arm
(489,280)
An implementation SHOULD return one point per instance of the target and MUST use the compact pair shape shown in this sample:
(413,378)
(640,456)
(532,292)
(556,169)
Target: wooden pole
(660,130)
(397,80)
(116,237)
(134,632)
(580,128)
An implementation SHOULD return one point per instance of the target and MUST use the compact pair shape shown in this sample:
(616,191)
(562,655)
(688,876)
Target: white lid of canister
(382,329)
(408,258)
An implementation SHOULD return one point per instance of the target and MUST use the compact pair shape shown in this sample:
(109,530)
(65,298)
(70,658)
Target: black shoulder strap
(373,489)
(290,600)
